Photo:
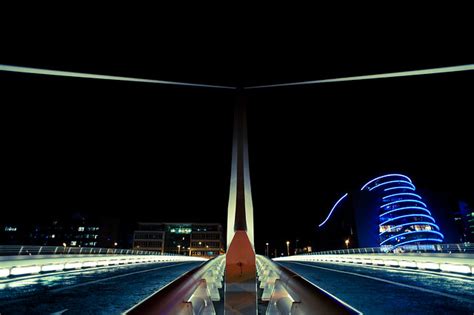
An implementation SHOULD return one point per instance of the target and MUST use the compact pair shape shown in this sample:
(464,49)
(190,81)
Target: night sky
(162,153)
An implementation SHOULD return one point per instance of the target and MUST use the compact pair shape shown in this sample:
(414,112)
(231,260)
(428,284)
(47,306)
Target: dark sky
(161,153)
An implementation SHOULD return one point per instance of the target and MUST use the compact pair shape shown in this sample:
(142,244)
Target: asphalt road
(377,290)
(93,291)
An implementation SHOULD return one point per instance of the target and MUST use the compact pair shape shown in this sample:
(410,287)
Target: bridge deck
(91,291)
(375,290)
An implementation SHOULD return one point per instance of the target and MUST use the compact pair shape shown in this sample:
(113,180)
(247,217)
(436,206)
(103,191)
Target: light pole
(267,251)
(179,249)
(288,247)
(347,243)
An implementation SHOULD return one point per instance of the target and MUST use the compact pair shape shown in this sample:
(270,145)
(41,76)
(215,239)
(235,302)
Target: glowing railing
(457,258)
(9,250)
(26,260)
(414,248)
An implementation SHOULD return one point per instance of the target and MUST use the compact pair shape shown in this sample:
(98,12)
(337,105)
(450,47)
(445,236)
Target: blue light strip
(410,223)
(406,216)
(388,175)
(411,232)
(404,200)
(334,207)
(399,187)
(417,240)
(402,194)
(405,208)
(391,182)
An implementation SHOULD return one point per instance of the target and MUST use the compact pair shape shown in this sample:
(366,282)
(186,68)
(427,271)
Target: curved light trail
(384,176)
(407,216)
(402,194)
(391,182)
(399,187)
(405,208)
(333,207)
(420,240)
(411,232)
(404,200)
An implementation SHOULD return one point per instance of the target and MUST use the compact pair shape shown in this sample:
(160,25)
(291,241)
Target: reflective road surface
(92,291)
(380,290)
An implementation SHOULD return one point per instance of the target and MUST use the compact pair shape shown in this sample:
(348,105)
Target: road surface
(93,291)
(379,290)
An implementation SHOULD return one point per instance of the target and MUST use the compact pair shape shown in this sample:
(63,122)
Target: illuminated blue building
(390,202)
(389,213)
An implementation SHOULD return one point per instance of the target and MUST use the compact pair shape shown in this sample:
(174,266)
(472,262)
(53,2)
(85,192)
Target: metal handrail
(434,248)
(171,299)
(299,295)
(310,298)
(11,250)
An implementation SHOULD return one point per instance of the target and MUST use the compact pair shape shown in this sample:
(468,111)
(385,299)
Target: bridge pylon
(240,291)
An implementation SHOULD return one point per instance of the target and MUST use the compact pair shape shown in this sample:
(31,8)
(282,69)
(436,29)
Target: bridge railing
(15,250)
(435,248)
(288,293)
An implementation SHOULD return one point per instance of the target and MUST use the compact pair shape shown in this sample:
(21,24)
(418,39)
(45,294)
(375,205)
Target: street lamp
(347,243)
(288,247)
(179,249)
(267,252)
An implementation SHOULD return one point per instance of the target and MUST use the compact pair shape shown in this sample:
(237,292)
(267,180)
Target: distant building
(76,230)
(191,239)
(464,219)
(150,236)
(390,214)
(389,211)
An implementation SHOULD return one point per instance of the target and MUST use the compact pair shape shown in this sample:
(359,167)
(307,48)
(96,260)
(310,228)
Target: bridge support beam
(240,274)
(240,293)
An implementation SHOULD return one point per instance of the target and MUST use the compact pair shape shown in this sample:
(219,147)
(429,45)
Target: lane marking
(391,282)
(113,277)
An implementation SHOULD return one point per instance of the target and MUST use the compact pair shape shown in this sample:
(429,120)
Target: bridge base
(240,293)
